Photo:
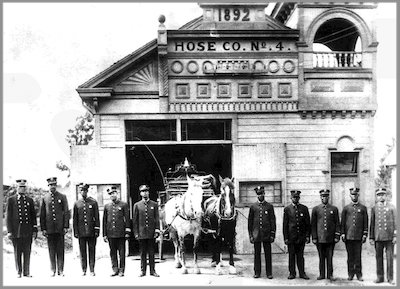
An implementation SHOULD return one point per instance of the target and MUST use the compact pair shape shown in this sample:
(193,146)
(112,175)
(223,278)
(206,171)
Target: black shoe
(332,278)
(304,276)
(320,277)
(269,276)
(61,273)
(256,276)
(378,280)
(28,275)
(154,274)
(291,277)
(19,275)
(350,277)
(92,274)
(114,274)
(360,278)
(84,273)
(121,274)
(391,282)
(142,274)
(53,274)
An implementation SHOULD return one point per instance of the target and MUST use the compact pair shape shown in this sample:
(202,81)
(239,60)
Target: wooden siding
(111,131)
(307,146)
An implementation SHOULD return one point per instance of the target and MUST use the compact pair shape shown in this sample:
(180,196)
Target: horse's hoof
(178,265)
(184,271)
(232,270)
(213,264)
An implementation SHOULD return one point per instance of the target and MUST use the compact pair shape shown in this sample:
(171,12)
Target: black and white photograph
(199,144)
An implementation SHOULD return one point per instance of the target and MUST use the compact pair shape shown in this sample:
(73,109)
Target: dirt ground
(169,276)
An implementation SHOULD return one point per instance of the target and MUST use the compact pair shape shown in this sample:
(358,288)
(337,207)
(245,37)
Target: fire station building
(285,101)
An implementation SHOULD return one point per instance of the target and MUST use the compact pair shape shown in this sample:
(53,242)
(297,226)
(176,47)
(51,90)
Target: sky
(49,49)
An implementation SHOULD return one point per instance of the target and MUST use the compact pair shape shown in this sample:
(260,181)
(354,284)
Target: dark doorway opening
(142,168)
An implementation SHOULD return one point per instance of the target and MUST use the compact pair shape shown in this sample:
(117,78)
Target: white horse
(184,214)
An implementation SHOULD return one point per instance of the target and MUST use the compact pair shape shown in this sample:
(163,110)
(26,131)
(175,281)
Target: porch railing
(337,59)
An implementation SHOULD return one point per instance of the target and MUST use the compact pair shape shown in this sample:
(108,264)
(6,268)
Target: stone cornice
(237,106)
(321,114)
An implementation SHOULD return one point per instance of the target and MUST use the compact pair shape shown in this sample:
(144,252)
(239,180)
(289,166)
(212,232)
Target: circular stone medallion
(288,66)
(177,67)
(192,66)
(273,66)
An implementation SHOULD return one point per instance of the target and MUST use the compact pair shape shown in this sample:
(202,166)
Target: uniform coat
(54,213)
(383,222)
(382,231)
(354,221)
(261,221)
(145,222)
(21,223)
(116,224)
(86,219)
(354,227)
(145,219)
(296,224)
(116,220)
(325,225)
(86,224)
(21,217)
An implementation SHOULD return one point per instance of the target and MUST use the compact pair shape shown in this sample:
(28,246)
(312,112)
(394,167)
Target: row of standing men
(54,224)
(324,228)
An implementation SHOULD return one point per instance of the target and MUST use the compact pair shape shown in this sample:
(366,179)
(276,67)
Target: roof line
(119,63)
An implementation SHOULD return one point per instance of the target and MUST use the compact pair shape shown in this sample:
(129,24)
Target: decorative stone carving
(273,66)
(144,76)
(231,106)
(192,66)
(177,67)
(288,66)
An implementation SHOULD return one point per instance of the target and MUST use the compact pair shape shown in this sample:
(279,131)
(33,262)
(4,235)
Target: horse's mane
(228,182)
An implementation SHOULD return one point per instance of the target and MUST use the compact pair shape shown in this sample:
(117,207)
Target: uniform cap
(354,191)
(324,192)
(144,188)
(380,191)
(21,183)
(112,189)
(259,190)
(83,186)
(295,193)
(52,180)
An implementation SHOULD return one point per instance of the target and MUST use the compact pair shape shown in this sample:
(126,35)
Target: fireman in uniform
(54,223)
(146,227)
(296,233)
(116,227)
(382,234)
(262,227)
(325,230)
(354,233)
(21,227)
(86,224)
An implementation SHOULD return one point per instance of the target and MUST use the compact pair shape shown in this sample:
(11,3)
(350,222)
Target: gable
(142,79)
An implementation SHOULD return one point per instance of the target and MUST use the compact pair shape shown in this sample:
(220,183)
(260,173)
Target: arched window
(337,43)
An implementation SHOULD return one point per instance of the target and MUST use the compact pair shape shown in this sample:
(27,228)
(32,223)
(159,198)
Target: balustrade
(337,59)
